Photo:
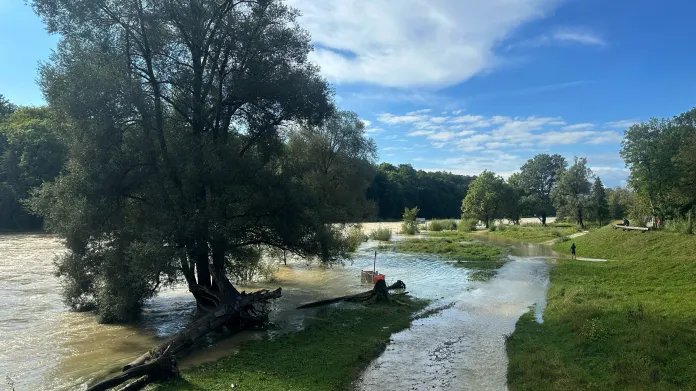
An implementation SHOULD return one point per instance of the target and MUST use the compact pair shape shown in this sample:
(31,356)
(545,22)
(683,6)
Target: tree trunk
(582,225)
(380,292)
(161,360)
(691,222)
(543,219)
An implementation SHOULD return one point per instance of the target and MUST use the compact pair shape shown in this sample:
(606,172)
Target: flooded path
(46,347)
(463,347)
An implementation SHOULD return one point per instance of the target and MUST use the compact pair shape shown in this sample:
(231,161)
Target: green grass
(328,355)
(627,324)
(532,233)
(483,259)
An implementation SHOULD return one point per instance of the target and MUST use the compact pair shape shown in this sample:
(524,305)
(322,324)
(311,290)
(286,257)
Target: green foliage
(480,257)
(437,194)
(31,152)
(467,225)
(188,146)
(381,234)
(316,358)
(409,226)
(625,324)
(677,225)
(599,206)
(442,225)
(354,236)
(484,198)
(571,195)
(537,179)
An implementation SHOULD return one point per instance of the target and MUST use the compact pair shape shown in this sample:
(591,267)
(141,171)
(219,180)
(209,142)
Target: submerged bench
(624,227)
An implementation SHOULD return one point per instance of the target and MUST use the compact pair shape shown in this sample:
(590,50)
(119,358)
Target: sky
(471,85)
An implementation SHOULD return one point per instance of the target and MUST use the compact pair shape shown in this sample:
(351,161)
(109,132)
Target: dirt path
(573,236)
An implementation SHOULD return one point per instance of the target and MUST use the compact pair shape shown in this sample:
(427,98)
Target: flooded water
(463,347)
(47,347)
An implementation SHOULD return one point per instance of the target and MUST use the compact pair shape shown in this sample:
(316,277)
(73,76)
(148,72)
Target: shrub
(409,225)
(677,225)
(381,234)
(493,228)
(442,225)
(354,236)
(466,225)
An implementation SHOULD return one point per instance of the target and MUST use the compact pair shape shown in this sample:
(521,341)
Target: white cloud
(438,120)
(605,138)
(366,123)
(442,136)
(418,112)
(398,119)
(581,36)
(391,43)
(578,36)
(421,133)
(622,124)
(391,137)
(457,112)
(585,126)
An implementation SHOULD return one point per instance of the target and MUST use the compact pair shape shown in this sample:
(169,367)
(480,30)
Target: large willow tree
(179,160)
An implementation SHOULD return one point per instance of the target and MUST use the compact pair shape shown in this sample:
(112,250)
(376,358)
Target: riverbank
(619,325)
(327,355)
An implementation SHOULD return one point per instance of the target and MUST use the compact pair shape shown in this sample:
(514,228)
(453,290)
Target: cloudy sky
(468,85)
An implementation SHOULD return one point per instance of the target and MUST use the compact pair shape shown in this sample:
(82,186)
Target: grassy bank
(328,355)
(627,324)
(484,259)
(534,233)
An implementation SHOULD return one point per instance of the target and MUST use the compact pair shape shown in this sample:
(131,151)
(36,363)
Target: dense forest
(436,194)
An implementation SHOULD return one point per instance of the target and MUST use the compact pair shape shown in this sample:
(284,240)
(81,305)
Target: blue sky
(468,85)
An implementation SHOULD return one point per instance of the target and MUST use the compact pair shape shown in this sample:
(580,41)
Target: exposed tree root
(236,313)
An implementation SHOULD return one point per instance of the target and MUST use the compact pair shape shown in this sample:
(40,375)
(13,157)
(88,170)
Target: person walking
(572,251)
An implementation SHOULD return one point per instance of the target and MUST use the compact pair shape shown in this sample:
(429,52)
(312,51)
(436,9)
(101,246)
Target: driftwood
(380,292)
(160,362)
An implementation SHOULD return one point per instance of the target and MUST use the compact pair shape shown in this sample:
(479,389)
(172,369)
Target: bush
(381,234)
(466,225)
(493,228)
(677,225)
(442,225)
(409,226)
(354,236)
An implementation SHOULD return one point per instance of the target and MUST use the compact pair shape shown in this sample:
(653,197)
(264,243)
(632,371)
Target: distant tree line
(437,194)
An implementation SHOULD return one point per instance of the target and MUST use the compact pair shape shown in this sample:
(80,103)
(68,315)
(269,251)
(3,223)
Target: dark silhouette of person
(572,251)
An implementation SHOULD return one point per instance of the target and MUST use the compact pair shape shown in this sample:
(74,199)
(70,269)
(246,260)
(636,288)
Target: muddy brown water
(47,347)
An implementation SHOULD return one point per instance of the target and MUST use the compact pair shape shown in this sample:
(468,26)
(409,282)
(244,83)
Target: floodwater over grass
(47,347)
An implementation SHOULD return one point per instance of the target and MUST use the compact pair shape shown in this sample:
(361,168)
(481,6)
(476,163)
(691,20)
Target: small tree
(600,206)
(483,200)
(538,177)
(409,225)
(572,193)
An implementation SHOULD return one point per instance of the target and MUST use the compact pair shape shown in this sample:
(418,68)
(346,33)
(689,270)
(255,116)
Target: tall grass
(442,225)
(467,225)
(381,234)
(677,225)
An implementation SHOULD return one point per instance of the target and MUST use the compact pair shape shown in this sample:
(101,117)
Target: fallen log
(160,362)
(380,292)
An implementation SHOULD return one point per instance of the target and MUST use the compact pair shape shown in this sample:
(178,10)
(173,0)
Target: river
(47,347)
